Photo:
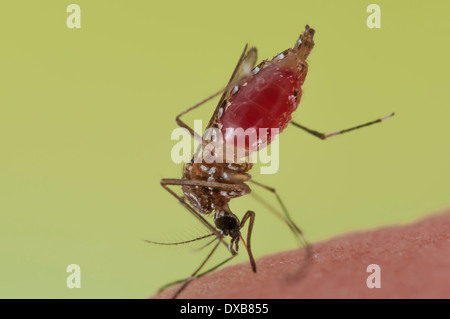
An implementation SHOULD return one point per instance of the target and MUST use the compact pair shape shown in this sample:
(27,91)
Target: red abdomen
(265,101)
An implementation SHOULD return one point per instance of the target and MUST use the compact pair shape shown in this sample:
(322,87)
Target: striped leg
(286,218)
(324,136)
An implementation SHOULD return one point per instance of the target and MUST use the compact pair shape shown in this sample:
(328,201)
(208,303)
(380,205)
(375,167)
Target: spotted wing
(246,63)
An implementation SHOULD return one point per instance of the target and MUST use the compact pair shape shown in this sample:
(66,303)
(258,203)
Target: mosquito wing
(246,63)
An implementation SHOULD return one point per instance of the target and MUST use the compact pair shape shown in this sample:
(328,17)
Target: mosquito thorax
(208,199)
(227,222)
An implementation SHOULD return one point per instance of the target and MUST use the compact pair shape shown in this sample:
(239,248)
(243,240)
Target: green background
(86,116)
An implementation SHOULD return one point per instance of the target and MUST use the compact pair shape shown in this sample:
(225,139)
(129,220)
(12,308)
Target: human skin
(414,262)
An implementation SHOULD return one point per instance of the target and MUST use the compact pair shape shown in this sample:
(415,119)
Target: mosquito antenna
(180,242)
(206,245)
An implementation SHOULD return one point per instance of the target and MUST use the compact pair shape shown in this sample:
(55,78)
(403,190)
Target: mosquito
(262,96)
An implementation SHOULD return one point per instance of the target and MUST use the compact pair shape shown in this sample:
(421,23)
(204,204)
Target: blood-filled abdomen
(263,104)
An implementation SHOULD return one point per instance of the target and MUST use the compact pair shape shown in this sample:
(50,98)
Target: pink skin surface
(414,261)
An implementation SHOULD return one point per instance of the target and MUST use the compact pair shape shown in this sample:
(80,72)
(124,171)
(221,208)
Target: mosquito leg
(249,214)
(241,188)
(247,57)
(286,218)
(216,266)
(165,183)
(194,274)
(187,127)
(198,276)
(324,136)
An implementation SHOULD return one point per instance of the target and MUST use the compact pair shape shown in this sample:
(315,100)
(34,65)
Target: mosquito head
(228,223)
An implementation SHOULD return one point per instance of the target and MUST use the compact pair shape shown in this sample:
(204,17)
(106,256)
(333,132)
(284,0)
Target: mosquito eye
(226,223)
